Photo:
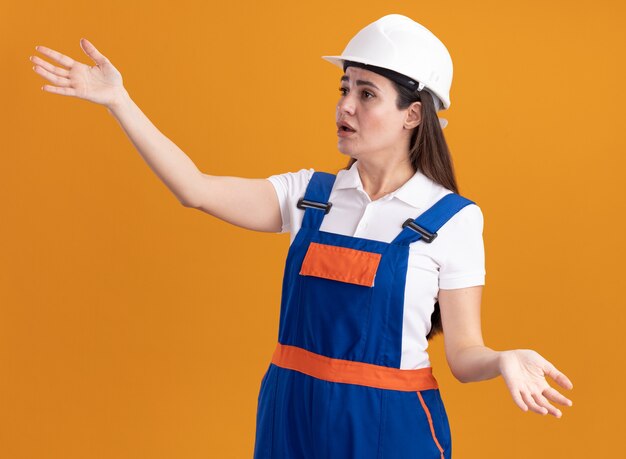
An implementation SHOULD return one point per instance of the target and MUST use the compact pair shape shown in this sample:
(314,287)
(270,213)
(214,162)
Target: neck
(383,178)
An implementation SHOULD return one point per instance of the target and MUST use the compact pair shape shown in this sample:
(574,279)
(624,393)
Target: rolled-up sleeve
(463,262)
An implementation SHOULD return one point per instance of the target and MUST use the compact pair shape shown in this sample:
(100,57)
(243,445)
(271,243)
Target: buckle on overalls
(426,235)
(302,203)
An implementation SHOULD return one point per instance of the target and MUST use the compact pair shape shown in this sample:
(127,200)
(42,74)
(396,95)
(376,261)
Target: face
(367,103)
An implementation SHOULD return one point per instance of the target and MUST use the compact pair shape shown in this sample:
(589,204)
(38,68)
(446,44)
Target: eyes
(365,93)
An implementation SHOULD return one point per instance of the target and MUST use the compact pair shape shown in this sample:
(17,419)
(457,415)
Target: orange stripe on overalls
(347,371)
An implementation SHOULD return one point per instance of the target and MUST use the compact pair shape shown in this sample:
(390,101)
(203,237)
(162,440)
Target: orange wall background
(132,327)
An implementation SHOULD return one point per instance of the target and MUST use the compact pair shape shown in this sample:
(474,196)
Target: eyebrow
(360,82)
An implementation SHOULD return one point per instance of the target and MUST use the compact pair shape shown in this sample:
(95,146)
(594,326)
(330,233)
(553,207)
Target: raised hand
(101,83)
(523,371)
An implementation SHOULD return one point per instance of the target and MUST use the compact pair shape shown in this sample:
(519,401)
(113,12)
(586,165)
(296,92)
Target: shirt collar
(415,192)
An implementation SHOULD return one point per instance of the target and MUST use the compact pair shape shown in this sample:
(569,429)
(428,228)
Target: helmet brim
(338,61)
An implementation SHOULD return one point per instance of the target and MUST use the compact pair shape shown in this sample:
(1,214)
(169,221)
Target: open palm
(523,371)
(101,83)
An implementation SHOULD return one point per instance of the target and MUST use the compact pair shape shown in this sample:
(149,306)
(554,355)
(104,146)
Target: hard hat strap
(399,78)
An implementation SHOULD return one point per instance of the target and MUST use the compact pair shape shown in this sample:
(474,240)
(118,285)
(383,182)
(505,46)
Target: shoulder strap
(315,201)
(425,226)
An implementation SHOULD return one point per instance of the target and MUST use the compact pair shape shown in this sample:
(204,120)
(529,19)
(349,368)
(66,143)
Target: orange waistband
(348,371)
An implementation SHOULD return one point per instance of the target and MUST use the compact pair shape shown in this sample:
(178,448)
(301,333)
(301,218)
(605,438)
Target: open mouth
(346,129)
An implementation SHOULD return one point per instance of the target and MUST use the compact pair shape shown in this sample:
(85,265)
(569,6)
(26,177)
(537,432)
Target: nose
(345,105)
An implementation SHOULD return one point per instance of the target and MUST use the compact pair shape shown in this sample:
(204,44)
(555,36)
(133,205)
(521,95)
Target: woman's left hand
(523,371)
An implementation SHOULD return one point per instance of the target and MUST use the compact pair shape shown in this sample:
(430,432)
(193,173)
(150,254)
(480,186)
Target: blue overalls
(334,388)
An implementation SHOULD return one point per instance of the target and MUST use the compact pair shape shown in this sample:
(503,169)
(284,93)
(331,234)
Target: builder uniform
(350,375)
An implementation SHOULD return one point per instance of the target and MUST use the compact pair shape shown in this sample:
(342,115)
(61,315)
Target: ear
(413,115)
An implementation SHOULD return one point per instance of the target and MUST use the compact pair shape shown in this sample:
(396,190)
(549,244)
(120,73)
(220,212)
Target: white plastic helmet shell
(398,43)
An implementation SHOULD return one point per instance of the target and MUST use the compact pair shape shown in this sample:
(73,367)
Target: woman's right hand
(101,84)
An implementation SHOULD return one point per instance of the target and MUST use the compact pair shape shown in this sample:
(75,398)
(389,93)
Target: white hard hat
(398,43)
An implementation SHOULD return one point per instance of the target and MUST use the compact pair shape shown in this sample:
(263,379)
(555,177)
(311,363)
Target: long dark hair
(430,155)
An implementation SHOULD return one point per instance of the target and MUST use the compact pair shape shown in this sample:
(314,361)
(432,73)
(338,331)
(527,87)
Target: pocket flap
(341,264)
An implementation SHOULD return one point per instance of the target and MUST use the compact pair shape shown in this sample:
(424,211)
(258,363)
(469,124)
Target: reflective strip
(430,421)
(351,372)
(340,263)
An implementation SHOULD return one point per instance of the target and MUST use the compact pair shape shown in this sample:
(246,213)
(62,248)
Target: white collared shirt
(457,260)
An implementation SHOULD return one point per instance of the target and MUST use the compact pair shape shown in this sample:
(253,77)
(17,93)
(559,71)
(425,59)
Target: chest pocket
(336,286)
(341,264)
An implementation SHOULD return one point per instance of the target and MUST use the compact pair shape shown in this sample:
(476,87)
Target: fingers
(61,91)
(546,405)
(531,391)
(530,401)
(557,397)
(559,377)
(49,67)
(92,52)
(538,403)
(57,80)
(55,55)
(63,84)
(517,398)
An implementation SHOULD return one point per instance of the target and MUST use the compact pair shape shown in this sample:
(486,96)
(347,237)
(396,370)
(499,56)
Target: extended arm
(249,203)
(165,158)
(470,360)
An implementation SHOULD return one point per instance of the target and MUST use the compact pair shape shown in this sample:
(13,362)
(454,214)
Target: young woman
(383,255)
